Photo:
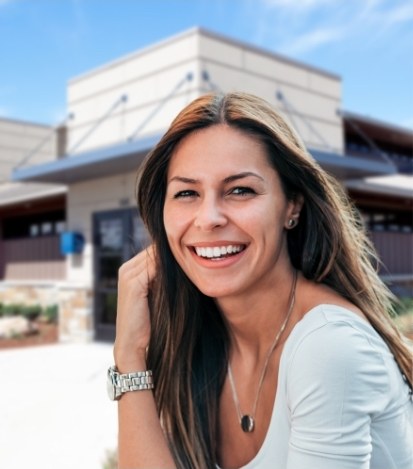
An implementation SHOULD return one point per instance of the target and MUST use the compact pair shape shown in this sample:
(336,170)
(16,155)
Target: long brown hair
(188,350)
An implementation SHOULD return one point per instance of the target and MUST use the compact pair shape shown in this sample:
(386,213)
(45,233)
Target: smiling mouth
(219,252)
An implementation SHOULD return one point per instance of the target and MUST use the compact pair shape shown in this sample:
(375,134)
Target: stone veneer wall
(75,314)
(75,305)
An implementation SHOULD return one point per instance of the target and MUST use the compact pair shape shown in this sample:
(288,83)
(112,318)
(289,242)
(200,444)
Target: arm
(142,443)
(336,382)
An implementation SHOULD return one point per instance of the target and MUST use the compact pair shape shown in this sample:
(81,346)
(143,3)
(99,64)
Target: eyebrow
(228,179)
(246,174)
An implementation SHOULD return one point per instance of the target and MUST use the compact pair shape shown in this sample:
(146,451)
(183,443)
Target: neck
(254,319)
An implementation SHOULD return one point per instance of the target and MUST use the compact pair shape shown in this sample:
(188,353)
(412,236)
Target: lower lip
(218,263)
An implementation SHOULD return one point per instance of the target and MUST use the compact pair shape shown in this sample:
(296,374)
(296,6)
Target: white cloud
(399,14)
(311,40)
(300,26)
(297,5)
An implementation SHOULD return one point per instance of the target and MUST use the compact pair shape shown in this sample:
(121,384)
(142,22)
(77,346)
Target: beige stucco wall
(84,199)
(151,74)
(76,294)
(18,139)
(313,97)
(146,78)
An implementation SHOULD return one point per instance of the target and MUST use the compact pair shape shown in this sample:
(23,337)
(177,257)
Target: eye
(185,194)
(242,191)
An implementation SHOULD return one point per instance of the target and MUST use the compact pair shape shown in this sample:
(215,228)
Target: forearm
(142,443)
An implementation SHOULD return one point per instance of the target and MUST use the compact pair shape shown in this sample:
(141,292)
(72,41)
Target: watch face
(110,385)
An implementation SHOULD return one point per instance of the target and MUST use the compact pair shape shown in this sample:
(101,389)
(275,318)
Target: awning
(127,157)
(349,167)
(19,192)
(101,162)
(400,185)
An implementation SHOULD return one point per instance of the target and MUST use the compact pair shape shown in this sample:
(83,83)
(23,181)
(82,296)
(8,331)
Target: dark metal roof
(380,130)
(14,193)
(106,161)
(350,167)
(124,157)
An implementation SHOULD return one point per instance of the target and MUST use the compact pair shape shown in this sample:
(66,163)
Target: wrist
(120,383)
(128,361)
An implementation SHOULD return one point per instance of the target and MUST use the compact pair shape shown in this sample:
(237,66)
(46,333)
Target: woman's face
(225,213)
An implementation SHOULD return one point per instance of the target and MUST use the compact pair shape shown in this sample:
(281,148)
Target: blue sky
(369,43)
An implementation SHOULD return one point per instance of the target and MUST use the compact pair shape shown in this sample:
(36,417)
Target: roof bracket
(188,77)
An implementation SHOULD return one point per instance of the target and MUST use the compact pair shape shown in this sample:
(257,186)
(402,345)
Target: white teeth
(217,251)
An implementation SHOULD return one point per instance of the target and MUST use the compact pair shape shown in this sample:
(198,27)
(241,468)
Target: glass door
(118,235)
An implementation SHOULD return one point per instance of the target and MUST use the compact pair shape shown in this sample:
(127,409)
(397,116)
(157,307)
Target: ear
(293,211)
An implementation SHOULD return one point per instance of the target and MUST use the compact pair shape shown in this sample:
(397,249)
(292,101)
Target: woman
(257,308)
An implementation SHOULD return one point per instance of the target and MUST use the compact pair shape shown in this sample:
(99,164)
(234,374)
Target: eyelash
(238,191)
(184,194)
(242,190)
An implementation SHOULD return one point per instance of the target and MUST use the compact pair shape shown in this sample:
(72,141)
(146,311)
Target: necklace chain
(247,422)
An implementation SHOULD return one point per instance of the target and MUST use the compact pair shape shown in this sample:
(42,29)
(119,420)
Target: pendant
(247,424)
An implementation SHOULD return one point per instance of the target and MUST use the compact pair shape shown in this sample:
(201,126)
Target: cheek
(175,223)
(268,223)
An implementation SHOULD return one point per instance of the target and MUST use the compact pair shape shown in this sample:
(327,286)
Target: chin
(217,292)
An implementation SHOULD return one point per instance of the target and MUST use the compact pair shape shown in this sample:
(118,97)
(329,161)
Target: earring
(292,222)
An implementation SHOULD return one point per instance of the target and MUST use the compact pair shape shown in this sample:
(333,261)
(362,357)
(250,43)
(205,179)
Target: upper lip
(212,244)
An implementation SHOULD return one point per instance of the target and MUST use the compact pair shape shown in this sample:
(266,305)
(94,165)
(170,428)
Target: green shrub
(404,305)
(50,313)
(111,460)
(12,309)
(31,312)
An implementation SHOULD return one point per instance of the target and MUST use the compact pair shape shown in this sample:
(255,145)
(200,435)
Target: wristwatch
(118,384)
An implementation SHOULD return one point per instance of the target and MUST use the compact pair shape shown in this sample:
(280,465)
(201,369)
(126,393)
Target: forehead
(219,148)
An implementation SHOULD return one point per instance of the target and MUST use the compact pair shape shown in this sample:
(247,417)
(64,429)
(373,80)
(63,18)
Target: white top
(341,401)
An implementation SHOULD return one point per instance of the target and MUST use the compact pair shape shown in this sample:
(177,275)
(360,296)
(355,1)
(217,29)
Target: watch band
(118,384)
(137,381)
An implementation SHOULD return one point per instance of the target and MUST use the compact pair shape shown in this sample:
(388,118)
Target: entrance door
(118,235)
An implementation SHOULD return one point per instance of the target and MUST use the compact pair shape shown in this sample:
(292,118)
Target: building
(386,202)
(119,112)
(32,214)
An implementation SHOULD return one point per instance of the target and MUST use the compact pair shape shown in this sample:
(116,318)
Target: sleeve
(336,382)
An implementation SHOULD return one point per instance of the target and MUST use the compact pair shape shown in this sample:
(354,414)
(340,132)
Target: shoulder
(337,387)
(336,327)
(334,352)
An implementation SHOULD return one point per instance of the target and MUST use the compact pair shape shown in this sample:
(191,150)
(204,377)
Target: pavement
(54,410)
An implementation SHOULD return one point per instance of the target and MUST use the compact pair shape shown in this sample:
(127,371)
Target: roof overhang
(17,193)
(101,162)
(379,130)
(349,167)
(128,156)
(399,185)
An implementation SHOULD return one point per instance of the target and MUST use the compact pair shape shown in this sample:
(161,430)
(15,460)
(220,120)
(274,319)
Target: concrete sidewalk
(54,411)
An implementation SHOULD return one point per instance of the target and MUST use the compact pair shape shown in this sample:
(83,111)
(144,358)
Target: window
(47,228)
(29,226)
(34,230)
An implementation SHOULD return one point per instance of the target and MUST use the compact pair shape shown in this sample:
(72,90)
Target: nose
(209,215)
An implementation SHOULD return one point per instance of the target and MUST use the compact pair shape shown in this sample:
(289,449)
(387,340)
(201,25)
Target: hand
(133,322)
